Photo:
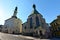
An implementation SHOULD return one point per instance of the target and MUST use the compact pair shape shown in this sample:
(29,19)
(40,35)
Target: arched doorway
(13,32)
(40,32)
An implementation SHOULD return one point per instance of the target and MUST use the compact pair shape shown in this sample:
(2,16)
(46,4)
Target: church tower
(15,13)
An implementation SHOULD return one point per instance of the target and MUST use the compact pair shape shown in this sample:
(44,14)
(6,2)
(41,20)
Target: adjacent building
(35,23)
(13,24)
(55,27)
(1,28)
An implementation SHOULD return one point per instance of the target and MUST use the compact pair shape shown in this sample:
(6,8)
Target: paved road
(4,36)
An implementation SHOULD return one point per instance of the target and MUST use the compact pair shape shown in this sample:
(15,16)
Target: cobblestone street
(4,36)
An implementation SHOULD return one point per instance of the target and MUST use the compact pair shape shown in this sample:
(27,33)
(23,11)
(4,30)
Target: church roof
(34,11)
(14,14)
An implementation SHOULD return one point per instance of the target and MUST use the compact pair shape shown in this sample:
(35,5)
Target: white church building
(13,24)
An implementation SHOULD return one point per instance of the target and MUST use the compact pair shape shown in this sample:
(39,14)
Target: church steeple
(15,13)
(35,11)
(34,6)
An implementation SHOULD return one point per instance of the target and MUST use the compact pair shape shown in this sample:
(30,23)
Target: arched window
(25,27)
(37,21)
(31,23)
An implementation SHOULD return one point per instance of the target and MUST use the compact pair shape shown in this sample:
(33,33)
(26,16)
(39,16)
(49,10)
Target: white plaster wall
(13,24)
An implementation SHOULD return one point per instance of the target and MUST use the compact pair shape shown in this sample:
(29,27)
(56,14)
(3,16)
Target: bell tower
(15,13)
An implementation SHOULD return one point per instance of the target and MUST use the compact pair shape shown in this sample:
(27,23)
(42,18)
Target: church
(35,23)
(13,24)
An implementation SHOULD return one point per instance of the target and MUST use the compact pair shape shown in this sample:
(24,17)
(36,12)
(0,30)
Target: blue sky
(50,9)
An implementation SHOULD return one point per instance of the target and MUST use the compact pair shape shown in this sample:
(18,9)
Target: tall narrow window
(59,28)
(25,27)
(37,21)
(31,23)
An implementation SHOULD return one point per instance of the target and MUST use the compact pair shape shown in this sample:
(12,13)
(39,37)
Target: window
(31,23)
(37,21)
(58,28)
(25,27)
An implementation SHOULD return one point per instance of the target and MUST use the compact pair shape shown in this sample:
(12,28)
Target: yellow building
(56,27)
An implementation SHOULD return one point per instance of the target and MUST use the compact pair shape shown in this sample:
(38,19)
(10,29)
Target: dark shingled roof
(34,11)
